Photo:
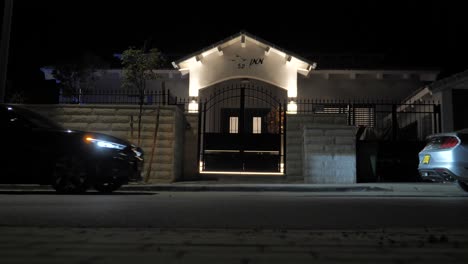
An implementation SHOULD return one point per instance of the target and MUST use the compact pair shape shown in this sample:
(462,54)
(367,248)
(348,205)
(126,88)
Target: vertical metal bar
(283,136)
(394,122)
(200,134)
(437,118)
(241,124)
(163,87)
(349,114)
(285,121)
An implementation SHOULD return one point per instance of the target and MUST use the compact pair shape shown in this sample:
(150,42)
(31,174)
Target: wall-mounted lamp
(220,51)
(288,58)
(292,107)
(193,107)
(243,41)
(267,50)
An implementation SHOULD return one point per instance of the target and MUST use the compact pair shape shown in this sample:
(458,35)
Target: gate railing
(381,119)
(374,118)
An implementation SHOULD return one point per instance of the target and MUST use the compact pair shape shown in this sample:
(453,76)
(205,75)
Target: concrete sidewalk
(202,186)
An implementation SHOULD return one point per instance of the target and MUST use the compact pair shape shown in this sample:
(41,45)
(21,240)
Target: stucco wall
(349,84)
(354,85)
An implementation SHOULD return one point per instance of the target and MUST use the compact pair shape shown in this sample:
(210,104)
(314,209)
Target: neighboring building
(452,93)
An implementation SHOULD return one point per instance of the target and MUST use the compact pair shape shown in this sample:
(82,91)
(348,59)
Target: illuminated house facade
(248,100)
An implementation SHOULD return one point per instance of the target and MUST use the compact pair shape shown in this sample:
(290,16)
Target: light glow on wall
(292,108)
(279,52)
(193,107)
(193,86)
(292,88)
(211,51)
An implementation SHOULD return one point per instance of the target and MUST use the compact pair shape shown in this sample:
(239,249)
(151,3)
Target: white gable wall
(238,62)
(250,59)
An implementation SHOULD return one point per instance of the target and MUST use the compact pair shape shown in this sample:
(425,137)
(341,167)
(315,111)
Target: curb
(216,188)
(375,188)
(252,188)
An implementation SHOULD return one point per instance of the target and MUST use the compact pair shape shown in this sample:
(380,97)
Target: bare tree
(138,68)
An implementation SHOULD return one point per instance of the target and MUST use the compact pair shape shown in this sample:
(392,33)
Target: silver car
(445,158)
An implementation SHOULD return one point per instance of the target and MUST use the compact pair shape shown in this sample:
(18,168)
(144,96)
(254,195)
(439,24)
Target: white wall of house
(320,84)
(360,84)
(442,91)
(445,99)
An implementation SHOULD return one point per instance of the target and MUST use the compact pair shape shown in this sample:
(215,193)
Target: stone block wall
(163,148)
(320,135)
(329,154)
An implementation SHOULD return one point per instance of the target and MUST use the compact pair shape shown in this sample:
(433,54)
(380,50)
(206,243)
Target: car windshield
(36,119)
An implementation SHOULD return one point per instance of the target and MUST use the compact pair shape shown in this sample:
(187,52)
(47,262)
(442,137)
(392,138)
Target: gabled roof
(246,34)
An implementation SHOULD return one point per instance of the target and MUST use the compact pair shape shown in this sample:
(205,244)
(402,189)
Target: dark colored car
(445,158)
(36,150)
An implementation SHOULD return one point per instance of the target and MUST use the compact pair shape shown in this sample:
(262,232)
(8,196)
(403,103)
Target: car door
(15,142)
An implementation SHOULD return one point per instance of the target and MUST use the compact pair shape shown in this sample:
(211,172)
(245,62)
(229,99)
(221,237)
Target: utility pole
(4,47)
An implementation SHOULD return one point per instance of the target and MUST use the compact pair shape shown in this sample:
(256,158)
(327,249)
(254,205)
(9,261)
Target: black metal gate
(242,130)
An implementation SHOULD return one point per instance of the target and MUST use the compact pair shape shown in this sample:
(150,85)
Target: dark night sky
(409,34)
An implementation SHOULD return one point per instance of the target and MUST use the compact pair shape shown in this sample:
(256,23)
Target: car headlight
(137,153)
(104,143)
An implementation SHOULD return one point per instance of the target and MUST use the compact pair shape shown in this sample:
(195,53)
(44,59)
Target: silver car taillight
(443,142)
(449,142)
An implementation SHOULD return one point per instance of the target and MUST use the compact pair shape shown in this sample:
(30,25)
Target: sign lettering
(256,61)
(241,62)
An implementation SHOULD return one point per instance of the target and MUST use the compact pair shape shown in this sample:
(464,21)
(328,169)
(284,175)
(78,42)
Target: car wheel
(463,185)
(107,187)
(70,174)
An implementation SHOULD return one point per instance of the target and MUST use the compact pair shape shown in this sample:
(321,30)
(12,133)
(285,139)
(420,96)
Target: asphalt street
(391,224)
